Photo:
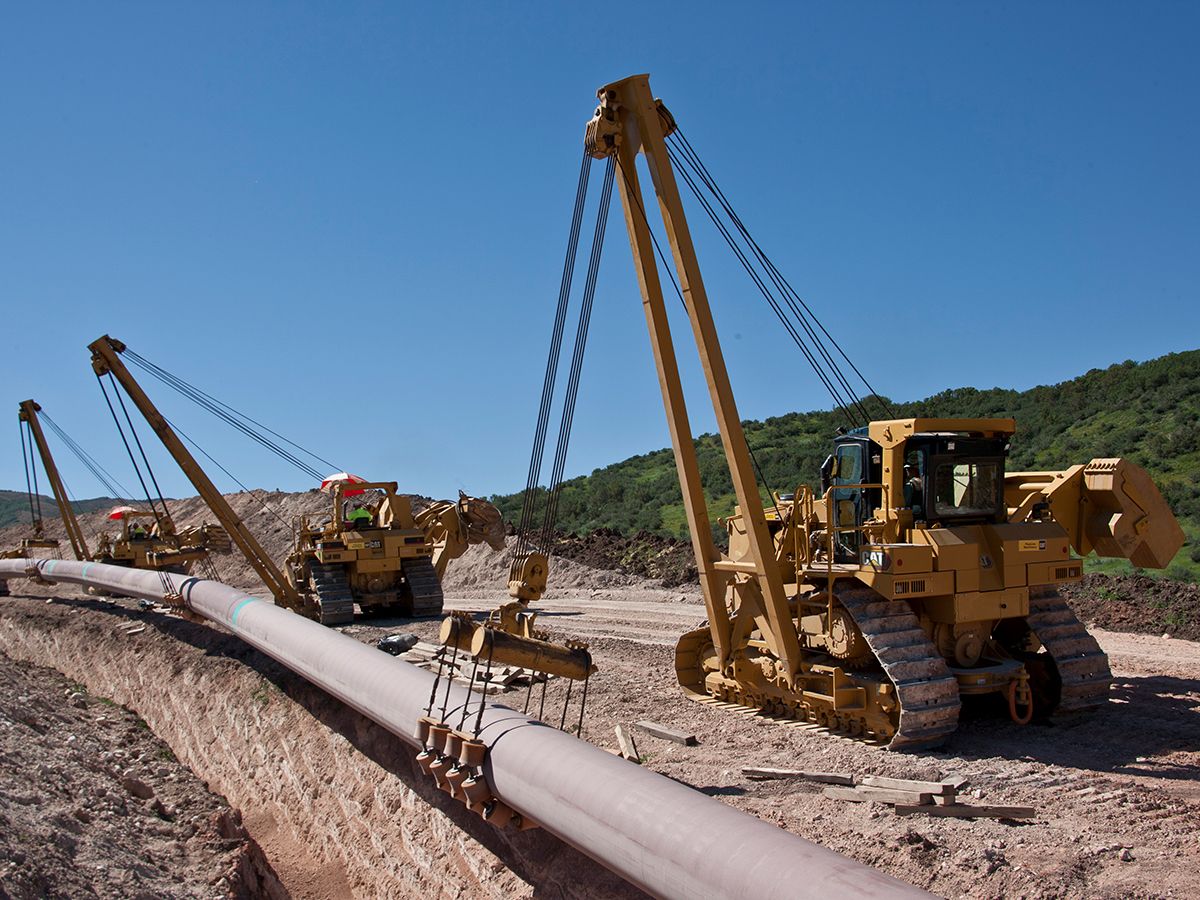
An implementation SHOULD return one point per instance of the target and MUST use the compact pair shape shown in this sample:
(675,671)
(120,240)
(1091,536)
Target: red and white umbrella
(120,512)
(342,478)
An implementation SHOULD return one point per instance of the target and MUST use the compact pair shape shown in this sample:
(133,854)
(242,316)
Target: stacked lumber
(908,796)
(458,666)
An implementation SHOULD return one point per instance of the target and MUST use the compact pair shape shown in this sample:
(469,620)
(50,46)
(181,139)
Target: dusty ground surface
(94,805)
(1118,795)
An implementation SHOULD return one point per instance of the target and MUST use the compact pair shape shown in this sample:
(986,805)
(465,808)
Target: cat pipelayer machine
(921,573)
(393,564)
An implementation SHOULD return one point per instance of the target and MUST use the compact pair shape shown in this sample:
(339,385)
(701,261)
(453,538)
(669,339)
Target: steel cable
(529,501)
(146,460)
(581,335)
(634,195)
(680,140)
(840,401)
(124,440)
(232,417)
(35,518)
(106,479)
(781,284)
(232,477)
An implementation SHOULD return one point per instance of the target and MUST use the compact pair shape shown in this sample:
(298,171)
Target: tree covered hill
(1147,412)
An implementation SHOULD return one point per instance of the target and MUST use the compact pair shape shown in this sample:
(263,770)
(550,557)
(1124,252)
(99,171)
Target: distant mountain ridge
(14,507)
(1147,412)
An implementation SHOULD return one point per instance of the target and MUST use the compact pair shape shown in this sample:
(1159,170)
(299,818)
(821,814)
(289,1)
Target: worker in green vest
(359,517)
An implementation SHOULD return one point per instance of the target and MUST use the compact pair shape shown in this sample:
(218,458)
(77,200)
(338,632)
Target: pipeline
(661,836)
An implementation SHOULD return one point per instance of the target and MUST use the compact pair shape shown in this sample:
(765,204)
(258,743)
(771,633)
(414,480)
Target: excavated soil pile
(1138,603)
(268,515)
(92,804)
(667,560)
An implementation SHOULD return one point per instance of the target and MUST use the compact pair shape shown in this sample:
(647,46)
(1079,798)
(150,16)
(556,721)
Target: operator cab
(955,479)
(950,478)
(856,460)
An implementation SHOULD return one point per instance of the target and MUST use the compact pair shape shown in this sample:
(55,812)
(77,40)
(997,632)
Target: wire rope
(233,418)
(529,501)
(795,301)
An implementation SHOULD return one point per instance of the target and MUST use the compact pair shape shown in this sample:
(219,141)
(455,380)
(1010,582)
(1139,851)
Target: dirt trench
(337,805)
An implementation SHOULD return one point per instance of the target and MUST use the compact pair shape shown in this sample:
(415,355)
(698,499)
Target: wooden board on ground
(628,747)
(959,811)
(878,795)
(509,677)
(667,733)
(905,784)
(763,774)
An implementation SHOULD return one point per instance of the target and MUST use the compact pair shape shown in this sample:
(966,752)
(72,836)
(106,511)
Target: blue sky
(348,220)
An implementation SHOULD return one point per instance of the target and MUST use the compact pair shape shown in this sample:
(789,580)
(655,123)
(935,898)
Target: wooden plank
(960,811)
(628,747)
(510,677)
(478,685)
(905,784)
(759,774)
(879,795)
(667,733)
(957,781)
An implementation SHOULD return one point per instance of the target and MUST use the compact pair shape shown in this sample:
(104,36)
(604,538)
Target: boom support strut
(29,414)
(106,359)
(628,121)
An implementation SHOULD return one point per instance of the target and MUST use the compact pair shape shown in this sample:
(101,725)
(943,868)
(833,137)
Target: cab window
(914,484)
(849,470)
(966,488)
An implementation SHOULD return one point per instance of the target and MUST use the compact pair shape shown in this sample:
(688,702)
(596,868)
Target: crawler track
(334,600)
(423,585)
(1082,666)
(925,687)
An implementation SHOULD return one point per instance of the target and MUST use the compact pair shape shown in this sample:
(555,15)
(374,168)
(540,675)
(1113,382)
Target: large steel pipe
(660,835)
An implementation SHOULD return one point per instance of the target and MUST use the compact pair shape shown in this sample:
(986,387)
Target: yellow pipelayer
(921,572)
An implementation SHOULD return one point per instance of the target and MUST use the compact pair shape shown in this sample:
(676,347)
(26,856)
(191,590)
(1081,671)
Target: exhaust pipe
(657,834)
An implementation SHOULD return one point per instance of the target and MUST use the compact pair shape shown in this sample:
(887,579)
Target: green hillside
(1148,412)
(14,507)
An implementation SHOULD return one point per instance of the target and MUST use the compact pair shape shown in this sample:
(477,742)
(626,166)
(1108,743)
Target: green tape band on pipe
(237,609)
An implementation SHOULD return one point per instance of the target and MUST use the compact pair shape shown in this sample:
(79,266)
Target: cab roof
(892,432)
